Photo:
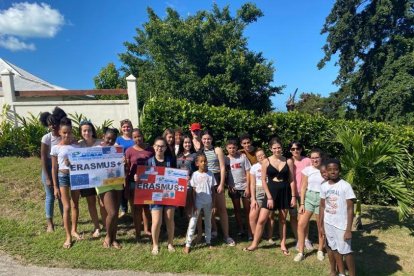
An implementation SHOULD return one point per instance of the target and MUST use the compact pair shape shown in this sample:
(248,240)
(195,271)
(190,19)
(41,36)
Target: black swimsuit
(280,190)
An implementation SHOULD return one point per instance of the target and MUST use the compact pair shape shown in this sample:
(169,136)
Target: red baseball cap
(195,126)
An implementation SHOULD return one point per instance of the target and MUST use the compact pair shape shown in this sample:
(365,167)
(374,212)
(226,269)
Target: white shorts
(335,239)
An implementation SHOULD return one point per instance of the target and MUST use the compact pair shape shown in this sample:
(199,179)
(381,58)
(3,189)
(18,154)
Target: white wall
(96,110)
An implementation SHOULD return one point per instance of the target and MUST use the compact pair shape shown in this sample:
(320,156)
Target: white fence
(72,101)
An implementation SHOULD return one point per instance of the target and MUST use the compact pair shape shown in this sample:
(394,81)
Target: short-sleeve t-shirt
(202,184)
(61,152)
(237,176)
(256,171)
(298,166)
(335,196)
(187,162)
(137,158)
(50,140)
(315,178)
(125,143)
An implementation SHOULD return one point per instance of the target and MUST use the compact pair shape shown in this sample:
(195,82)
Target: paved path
(11,267)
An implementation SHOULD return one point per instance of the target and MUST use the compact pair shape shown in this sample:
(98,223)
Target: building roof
(23,80)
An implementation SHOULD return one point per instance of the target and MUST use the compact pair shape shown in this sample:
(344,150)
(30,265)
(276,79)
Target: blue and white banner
(95,167)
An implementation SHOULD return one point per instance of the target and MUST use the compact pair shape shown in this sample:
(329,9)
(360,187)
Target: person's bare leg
(302,225)
(75,213)
(146,217)
(93,212)
(156,216)
(282,229)
(261,222)
(169,222)
(253,217)
(222,212)
(246,207)
(64,194)
(350,263)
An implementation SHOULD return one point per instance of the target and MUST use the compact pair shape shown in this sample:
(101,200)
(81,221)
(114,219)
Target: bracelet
(302,204)
(293,196)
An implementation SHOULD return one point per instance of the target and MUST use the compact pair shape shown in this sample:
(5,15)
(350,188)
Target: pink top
(298,166)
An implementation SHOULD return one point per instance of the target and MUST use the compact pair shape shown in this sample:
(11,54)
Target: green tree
(331,107)
(374,40)
(109,78)
(377,169)
(202,58)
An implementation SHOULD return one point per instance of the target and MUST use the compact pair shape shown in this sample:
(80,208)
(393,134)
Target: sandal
(155,251)
(67,245)
(97,233)
(116,245)
(78,237)
(246,249)
(106,244)
(171,248)
(285,252)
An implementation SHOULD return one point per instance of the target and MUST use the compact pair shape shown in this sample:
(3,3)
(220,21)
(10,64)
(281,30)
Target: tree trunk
(358,218)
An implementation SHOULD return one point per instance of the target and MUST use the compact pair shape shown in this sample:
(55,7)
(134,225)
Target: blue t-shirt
(124,143)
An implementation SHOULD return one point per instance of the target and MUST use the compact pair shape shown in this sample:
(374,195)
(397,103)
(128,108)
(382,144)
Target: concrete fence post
(133,100)
(7,80)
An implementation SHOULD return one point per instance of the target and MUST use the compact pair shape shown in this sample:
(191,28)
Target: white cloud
(14,44)
(28,20)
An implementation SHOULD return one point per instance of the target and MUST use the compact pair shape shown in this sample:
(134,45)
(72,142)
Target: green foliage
(379,171)
(109,78)
(331,107)
(77,119)
(375,43)
(202,58)
(23,140)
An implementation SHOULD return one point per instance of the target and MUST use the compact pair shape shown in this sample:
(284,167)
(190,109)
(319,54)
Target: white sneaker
(308,245)
(299,257)
(320,256)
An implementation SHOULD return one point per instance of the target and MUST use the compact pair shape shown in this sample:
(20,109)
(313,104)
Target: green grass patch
(384,248)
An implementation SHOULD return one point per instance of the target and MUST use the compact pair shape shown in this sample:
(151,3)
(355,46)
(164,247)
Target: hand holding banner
(161,185)
(95,167)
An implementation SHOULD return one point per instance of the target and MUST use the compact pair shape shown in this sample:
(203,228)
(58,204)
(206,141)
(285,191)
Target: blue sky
(68,42)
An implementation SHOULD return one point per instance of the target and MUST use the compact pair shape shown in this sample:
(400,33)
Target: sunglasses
(295,149)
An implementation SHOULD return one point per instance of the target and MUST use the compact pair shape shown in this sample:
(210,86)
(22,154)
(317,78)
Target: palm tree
(379,167)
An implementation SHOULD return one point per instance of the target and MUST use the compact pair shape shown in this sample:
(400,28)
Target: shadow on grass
(371,258)
(384,218)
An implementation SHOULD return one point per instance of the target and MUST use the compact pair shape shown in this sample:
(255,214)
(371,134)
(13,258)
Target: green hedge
(311,130)
(158,114)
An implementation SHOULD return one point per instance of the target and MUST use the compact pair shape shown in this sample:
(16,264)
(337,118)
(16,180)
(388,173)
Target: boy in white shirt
(238,180)
(336,216)
(203,183)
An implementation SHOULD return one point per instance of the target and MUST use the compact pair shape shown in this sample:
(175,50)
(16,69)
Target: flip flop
(78,237)
(67,245)
(285,252)
(246,249)
(105,245)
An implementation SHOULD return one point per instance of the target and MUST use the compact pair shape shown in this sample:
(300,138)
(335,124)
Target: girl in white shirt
(309,203)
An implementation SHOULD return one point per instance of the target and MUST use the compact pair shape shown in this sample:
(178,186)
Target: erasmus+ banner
(161,185)
(96,166)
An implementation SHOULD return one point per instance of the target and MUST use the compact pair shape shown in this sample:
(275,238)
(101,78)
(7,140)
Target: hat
(195,126)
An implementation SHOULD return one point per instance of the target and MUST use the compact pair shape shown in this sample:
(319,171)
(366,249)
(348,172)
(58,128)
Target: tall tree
(331,107)
(109,78)
(374,40)
(201,58)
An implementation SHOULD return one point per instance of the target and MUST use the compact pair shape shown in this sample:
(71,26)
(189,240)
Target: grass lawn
(384,248)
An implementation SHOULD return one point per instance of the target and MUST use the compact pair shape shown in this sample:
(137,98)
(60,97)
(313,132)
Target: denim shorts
(237,194)
(157,207)
(63,179)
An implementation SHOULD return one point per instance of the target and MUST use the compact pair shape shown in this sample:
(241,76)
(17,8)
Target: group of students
(297,186)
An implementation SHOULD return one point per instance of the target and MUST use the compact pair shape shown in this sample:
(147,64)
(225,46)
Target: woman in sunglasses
(299,163)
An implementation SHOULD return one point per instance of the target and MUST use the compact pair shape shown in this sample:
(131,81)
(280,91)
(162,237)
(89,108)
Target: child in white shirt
(203,183)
